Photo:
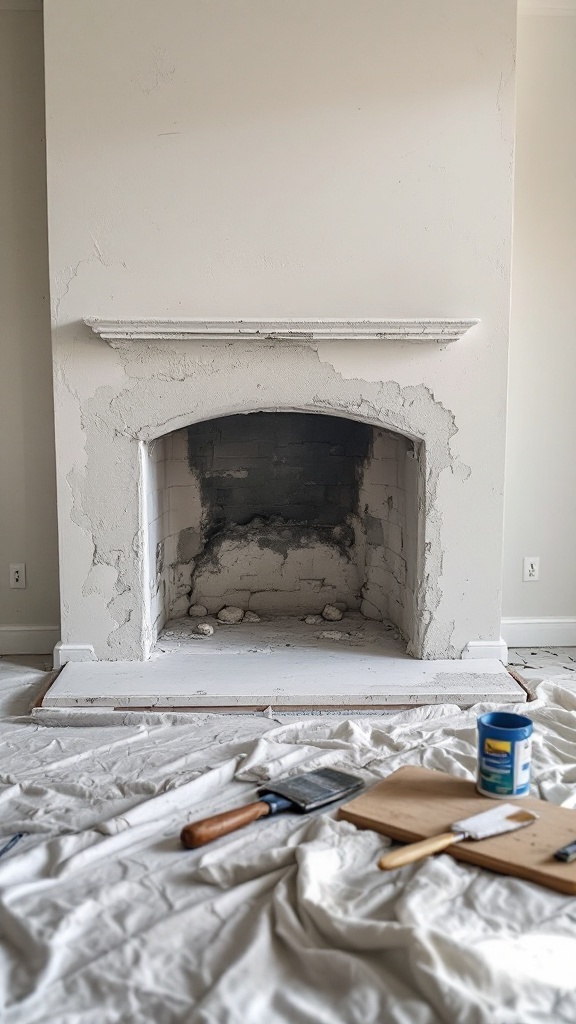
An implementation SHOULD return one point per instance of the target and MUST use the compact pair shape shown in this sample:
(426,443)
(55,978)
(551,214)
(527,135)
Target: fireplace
(342,177)
(284,513)
(254,474)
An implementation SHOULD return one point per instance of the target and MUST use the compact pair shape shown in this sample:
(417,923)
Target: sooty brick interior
(298,466)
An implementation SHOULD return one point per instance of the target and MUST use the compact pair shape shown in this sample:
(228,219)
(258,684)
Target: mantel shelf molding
(420,330)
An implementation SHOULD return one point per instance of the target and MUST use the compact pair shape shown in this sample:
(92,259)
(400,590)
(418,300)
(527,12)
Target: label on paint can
(504,749)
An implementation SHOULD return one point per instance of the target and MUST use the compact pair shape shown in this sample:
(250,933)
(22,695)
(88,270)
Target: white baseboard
(73,652)
(28,639)
(539,632)
(495,649)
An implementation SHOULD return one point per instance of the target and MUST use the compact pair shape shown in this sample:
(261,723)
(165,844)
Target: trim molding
(494,649)
(72,652)
(548,632)
(424,329)
(28,639)
(548,8)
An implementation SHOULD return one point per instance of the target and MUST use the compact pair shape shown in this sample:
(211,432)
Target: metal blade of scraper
(298,793)
(314,789)
(498,820)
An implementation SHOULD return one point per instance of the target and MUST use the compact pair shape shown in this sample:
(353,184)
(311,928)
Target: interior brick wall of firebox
(283,512)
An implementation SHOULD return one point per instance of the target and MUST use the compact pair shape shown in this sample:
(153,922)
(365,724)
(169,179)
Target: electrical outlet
(530,569)
(18,576)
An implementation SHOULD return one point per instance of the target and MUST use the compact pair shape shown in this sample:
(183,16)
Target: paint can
(504,748)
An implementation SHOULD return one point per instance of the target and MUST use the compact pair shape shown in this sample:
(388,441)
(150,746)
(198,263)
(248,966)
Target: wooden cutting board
(414,803)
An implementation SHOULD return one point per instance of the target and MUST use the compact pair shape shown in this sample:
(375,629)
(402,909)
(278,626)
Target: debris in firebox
(331,613)
(333,634)
(313,620)
(197,611)
(251,617)
(230,614)
(204,629)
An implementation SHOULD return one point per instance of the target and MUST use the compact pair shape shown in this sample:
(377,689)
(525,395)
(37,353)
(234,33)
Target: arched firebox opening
(281,514)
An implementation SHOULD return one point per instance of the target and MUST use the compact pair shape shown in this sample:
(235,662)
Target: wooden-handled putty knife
(299,793)
(496,821)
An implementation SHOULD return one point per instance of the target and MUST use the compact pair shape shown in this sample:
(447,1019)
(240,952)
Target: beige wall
(541,458)
(27,495)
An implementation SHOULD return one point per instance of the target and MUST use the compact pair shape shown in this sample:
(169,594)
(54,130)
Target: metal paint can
(504,749)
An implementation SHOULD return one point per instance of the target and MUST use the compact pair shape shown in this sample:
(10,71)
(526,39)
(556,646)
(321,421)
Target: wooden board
(414,803)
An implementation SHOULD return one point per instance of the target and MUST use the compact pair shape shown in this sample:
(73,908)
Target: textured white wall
(541,460)
(261,156)
(27,482)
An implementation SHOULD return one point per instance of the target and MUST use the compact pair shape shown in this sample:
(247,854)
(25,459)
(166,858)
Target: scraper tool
(299,793)
(496,821)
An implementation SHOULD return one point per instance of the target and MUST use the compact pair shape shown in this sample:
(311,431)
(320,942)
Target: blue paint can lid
(506,725)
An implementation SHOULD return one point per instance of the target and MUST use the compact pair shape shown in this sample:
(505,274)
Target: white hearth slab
(282,663)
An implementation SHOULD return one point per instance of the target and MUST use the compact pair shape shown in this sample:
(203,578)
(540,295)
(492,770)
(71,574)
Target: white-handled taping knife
(496,821)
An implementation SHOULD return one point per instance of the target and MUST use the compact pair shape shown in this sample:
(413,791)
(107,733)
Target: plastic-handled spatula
(302,793)
(496,821)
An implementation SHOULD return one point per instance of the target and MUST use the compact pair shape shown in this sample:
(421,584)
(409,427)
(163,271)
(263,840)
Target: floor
(283,663)
(537,663)
(106,918)
(22,679)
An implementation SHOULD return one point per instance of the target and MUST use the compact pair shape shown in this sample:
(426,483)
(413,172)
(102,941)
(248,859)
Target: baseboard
(28,639)
(539,632)
(495,649)
(73,652)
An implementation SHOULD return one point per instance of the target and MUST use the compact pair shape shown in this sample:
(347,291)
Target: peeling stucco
(168,386)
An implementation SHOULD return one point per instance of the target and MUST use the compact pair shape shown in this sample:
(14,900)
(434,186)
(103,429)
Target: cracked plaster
(168,386)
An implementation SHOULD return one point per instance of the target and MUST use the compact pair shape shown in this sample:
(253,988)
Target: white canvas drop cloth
(104,918)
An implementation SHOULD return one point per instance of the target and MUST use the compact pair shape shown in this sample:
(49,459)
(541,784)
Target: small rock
(331,613)
(197,610)
(251,617)
(313,620)
(204,629)
(333,634)
(341,605)
(230,614)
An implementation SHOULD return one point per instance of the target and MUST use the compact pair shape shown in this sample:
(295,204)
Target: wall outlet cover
(531,568)
(18,576)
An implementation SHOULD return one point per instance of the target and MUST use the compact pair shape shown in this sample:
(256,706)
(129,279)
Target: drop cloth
(104,918)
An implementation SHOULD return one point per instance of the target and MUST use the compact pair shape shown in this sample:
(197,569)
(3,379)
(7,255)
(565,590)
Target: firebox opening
(281,514)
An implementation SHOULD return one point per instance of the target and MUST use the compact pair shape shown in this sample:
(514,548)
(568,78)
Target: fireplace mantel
(420,330)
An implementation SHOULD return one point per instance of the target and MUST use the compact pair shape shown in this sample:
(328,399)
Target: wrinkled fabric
(105,918)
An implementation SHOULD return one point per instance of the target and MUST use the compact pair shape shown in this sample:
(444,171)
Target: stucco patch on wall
(170,385)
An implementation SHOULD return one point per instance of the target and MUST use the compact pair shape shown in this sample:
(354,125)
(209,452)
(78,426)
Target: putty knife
(496,821)
(299,793)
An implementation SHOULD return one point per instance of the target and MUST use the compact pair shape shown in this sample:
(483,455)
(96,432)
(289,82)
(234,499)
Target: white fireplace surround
(159,384)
